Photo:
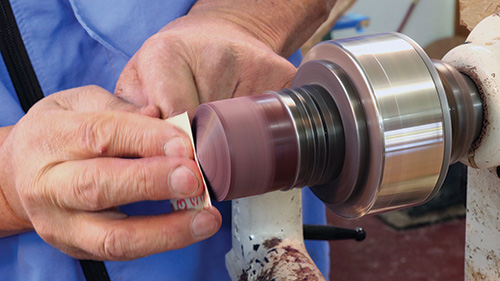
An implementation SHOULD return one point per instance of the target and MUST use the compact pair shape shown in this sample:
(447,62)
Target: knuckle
(161,44)
(150,182)
(95,133)
(174,238)
(114,244)
(143,181)
(170,241)
(88,189)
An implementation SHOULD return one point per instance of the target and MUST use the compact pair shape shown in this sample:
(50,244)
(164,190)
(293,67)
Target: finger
(101,183)
(108,238)
(116,134)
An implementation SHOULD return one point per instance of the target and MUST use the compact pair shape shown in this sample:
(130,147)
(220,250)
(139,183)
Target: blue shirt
(73,43)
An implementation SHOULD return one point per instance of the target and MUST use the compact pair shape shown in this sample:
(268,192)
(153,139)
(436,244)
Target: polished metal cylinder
(404,114)
(415,117)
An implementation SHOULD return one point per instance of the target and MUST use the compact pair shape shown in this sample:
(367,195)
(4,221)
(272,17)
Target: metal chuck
(370,124)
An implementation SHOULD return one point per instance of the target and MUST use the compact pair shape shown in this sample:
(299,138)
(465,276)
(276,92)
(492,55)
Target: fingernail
(176,147)
(204,224)
(183,181)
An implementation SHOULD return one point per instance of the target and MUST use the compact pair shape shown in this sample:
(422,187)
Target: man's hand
(199,58)
(79,154)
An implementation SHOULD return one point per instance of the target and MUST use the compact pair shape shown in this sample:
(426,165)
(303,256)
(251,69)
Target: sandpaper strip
(181,121)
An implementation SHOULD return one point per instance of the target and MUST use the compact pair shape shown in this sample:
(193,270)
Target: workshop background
(425,242)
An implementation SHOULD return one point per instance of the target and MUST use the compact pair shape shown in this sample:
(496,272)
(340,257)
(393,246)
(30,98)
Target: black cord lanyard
(16,59)
(29,92)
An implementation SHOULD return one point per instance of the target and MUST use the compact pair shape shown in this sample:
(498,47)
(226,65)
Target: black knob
(329,232)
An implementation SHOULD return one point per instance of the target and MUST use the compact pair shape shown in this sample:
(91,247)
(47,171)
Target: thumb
(164,79)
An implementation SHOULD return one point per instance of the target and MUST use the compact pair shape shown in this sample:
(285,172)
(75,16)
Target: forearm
(283,25)
(10,223)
